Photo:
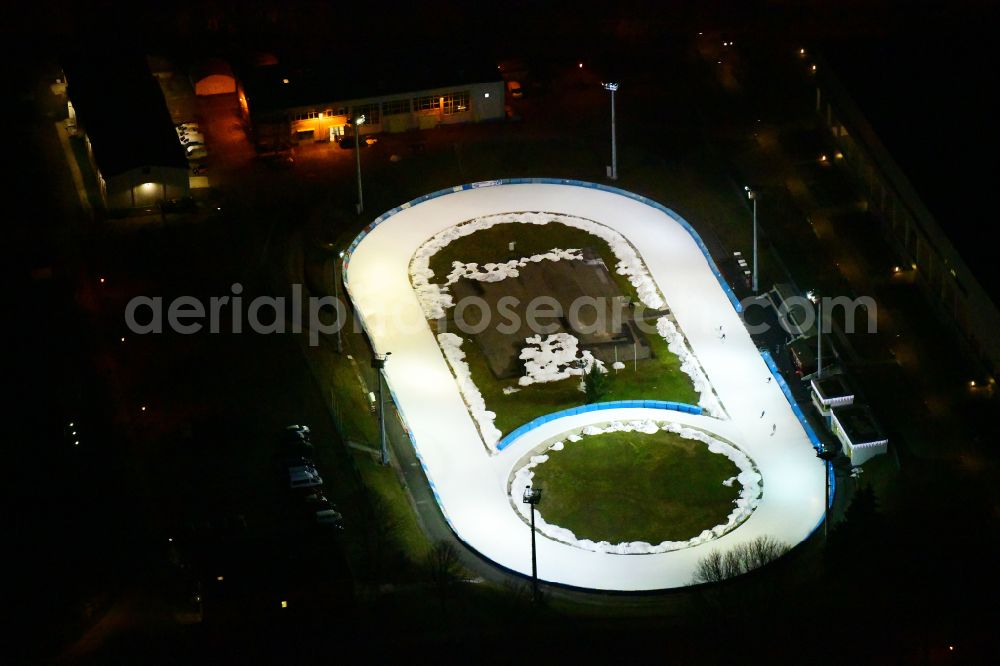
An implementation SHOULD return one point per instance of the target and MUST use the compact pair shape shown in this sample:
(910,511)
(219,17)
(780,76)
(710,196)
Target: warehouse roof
(285,85)
(121,107)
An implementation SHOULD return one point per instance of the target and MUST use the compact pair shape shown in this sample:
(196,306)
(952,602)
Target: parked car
(297,438)
(304,481)
(330,518)
(196,152)
(316,497)
(192,138)
(347,142)
(303,470)
(514,89)
(298,430)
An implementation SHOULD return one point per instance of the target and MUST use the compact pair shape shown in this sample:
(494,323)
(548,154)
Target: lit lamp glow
(358,122)
(612,88)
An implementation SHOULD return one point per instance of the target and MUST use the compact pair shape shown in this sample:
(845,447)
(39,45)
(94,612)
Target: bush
(595,384)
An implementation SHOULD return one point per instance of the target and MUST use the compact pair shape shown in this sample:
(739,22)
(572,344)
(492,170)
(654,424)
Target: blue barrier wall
(817,444)
(597,406)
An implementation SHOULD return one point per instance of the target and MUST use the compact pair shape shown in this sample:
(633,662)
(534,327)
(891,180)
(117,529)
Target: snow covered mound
(707,399)
(553,358)
(496,272)
(451,344)
(749,478)
(435,298)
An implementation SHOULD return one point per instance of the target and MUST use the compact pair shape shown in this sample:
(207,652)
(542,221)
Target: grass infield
(657,378)
(630,486)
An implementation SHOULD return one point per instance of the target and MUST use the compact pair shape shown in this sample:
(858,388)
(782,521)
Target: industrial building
(116,108)
(918,235)
(284,105)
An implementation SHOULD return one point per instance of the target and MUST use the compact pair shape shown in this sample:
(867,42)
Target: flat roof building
(285,104)
(117,109)
(830,392)
(859,434)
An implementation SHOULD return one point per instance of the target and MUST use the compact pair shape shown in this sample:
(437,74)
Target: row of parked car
(304,479)
(190,136)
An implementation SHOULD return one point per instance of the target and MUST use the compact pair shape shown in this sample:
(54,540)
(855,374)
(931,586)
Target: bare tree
(745,557)
(443,567)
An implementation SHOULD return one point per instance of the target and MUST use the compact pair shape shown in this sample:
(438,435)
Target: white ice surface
(472,485)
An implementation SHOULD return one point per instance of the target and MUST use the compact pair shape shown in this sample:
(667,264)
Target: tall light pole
(826,457)
(532,496)
(378,362)
(358,122)
(336,297)
(612,88)
(818,302)
(752,195)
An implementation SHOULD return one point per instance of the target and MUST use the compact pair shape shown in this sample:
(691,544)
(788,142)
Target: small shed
(829,392)
(213,77)
(858,432)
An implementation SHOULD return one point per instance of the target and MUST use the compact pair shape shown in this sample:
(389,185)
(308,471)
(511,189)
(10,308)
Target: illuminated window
(456,102)
(396,107)
(429,103)
(369,111)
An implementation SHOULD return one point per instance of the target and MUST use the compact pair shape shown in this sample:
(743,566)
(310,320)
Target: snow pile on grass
(707,399)
(749,478)
(497,272)
(451,344)
(435,298)
(553,358)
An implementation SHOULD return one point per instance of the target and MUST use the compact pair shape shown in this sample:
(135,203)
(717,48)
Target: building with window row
(285,106)
(913,231)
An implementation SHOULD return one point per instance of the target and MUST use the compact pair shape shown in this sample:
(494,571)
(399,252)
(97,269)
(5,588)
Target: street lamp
(378,363)
(358,122)
(612,88)
(532,496)
(752,195)
(336,297)
(826,456)
(817,301)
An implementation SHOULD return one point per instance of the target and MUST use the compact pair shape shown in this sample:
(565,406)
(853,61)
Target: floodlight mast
(613,88)
(815,299)
(532,496)
(752,195)
(358,122)
(378,363)
(336,297)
